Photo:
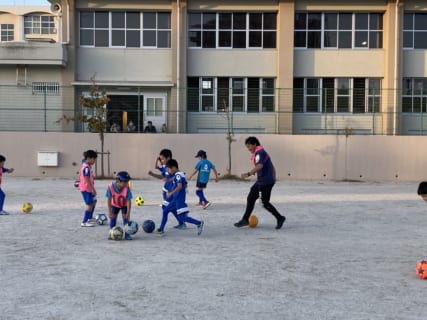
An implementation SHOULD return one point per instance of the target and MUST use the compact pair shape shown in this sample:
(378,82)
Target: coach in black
(266,177)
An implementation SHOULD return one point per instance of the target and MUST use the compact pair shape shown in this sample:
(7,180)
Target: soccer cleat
(241,223)
(280,222)
(199,204)
(127,236)
(4,213)
(159,233)
(200,228)
(87,224)
(181,226)
(92,220)
(206,204)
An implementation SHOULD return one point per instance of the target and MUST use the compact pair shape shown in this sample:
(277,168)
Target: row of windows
(356,95)
(209,94)
(39,25)
(127,29)
(232,30)
(338,30)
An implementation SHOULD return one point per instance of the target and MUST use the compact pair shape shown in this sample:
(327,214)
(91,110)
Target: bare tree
(230,139)
(94,114)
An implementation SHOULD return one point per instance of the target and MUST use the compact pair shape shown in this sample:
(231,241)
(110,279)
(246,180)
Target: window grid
(125,29)
(48,88)
(414,95)
(337,95)
(251,95)
(335,30)
(39,25)
(415,31)
(7,32)
(232,30)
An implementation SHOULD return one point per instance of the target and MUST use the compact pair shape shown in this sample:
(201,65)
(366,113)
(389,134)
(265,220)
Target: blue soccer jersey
(265,175)
(204,167)
(179,197)
(164,172)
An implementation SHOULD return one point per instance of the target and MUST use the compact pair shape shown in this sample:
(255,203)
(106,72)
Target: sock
(86,216)
(201,196)
(125,221)
(112,222)
(91,211)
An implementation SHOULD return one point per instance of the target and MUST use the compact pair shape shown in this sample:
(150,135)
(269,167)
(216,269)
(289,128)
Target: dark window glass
(420,40)
(133,20)
(421,21)
(101,38)
(194,39)
(118,38)
(328,95)
(298,95)
(224,39)
(239,39)
(331,21)
(163,39)
(149,20)
(253,95)
(86,37)
(314,21)
(149,38)
(117,19)
(300,39)
(193,94)
(255,21)
(300,21)
(224,20)
(359,95)
(208,39)
(209,21)
(194,20)
(269,39)
(86,19)
(255,39)
(163,20)
(361,21)
(223,94)
(270,21)
(133,38)
(313,39)
(239,21)
(408,21)
(101,19)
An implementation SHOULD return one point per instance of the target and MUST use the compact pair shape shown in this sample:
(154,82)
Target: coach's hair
(2,158)
(252,140)
(166,153)
(172,163)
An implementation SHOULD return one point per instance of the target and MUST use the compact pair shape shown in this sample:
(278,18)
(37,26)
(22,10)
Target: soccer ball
(117,233)
(421,269)
(139,201)
(101,218)
(148,226)
(132,227)
(27,207)
(253,221)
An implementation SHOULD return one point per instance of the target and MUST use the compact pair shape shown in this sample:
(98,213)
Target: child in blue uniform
(203,167)
(2,194)
(177,204)
(119,198)
(164,156)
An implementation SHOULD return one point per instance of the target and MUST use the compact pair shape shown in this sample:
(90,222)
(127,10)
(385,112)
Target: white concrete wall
(307,157)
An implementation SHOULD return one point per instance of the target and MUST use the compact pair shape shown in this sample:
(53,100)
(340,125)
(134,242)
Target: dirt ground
(347,251)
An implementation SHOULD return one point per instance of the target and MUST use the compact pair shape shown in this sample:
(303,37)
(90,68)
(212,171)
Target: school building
(204,66)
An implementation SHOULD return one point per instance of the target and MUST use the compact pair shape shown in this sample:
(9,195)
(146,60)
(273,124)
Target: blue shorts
(88,198)
(115,210)
(201,185)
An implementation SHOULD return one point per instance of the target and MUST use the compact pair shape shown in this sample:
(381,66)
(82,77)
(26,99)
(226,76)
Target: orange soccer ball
(421,269)
(253,221)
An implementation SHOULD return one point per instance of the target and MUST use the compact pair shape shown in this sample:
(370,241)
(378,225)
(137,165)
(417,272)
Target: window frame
(7,32)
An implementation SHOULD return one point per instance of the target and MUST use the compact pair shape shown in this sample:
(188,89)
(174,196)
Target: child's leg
(199,193)
(93,208)
(166,202)
(169,208)
(2,197)
(90,203)
(113,216)
(183,217)
(125,216)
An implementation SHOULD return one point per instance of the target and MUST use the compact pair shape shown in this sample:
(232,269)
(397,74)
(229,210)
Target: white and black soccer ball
(117,233)
(101,218)
(132,227)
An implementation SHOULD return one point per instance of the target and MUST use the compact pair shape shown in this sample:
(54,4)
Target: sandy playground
(347,251)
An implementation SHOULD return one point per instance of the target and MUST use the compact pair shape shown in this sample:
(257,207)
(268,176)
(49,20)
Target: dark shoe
(280,222)
(241,223)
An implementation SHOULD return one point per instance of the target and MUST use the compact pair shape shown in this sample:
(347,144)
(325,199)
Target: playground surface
(346,251)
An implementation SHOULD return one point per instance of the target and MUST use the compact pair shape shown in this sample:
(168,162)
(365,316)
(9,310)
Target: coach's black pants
(263,191)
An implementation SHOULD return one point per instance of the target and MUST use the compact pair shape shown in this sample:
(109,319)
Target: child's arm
(216,174)
(191,175)
(110,212)
(10,170)
(155,175)
(129,205)
(90,185)
(178,187)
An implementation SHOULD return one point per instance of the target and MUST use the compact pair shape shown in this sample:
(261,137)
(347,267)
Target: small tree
(96,118)
(230,139)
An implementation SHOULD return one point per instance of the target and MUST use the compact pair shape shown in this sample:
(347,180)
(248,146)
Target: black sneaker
(241,223)
(280,222)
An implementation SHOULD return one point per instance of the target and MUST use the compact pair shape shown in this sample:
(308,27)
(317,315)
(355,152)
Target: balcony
(33,52)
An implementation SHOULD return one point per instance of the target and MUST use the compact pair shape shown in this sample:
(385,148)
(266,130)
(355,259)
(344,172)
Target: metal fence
(29,108)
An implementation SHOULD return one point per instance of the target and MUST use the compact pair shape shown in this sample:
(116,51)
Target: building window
(414,95)
(337,95)
(39,25)
(125,29)
(232,30)
(251,95)
(336,30)
(7,32)
(48,88)
(415,31)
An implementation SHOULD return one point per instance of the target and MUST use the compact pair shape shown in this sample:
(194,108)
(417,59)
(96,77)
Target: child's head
(90,156)
(422,190)
(172,166)
(2,160)
(201,154)
(165,155)
(122,178)
(251,143)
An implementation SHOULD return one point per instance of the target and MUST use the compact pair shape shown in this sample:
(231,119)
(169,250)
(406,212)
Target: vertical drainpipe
(178,49)
(396,63)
